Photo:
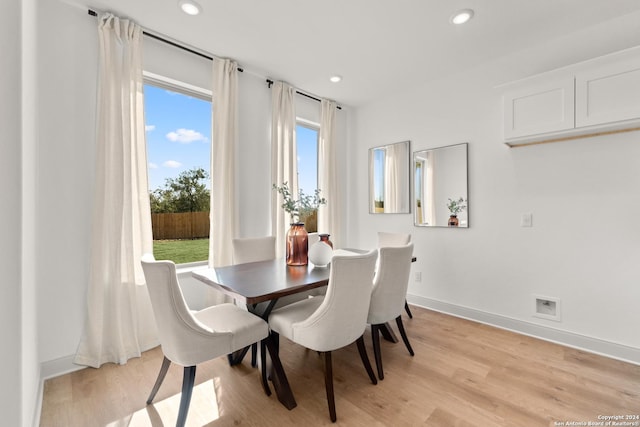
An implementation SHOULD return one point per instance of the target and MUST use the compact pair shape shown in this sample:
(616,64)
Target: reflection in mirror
(440,187)
(389,177)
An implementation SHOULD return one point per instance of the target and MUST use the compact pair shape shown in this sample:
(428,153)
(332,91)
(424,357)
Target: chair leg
(377,353)
(365,359)
(263,367)
(328,384)
(407,309)
(403,334)
(163,372)
(188,380)
(254,355)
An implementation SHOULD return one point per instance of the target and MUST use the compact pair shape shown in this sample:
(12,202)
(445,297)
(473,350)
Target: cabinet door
(538,109)
(608,94)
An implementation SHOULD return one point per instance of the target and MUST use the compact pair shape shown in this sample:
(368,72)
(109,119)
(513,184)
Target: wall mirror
(441,187)
(389,177)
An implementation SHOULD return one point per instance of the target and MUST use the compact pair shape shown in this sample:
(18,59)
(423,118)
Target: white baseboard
(569,339)
(51,369)
(57,367)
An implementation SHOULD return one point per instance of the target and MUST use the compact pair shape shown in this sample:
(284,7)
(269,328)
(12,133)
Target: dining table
(259,285)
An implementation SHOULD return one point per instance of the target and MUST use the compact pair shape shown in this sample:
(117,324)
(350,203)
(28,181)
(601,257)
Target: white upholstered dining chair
(253,249)
(335,320)
(388,295)
(189,337)
(385,240)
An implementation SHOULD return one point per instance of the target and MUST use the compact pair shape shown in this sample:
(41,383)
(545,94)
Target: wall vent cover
(547,308)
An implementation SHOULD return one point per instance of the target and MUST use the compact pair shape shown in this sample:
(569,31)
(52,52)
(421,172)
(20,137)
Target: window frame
(185,89)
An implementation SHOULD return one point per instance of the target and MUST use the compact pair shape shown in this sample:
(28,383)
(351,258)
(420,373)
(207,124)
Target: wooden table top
(256,282)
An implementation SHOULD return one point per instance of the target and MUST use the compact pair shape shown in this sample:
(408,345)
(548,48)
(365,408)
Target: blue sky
(307,158)
(178,129)
(178,134)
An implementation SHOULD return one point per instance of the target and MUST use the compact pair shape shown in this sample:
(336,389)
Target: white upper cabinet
(609,93)
(540,108)
(592,97)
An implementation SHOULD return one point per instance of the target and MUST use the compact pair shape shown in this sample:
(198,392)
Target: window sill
(187,268)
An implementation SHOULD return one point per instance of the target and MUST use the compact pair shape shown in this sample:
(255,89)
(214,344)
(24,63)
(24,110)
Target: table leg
(387,333)
(278,376)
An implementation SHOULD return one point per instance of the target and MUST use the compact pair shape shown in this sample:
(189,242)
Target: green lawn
(181,251)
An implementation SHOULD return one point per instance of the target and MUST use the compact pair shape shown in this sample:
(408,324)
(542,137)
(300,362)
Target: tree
(186,193)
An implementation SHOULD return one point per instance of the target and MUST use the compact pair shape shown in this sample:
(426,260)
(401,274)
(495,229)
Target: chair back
(253,249)
(390,283)
(342,316)
(183,337)
(393,239)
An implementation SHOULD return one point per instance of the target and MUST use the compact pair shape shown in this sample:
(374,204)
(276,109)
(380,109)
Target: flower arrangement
(304,203)
(457,206)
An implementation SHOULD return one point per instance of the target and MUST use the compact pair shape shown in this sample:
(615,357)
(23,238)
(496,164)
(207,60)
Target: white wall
(67,58)
(29,281)
(10,244)
(584,245)
(18,391)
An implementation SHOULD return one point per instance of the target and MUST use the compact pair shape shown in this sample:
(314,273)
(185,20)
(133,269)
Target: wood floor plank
(463,374)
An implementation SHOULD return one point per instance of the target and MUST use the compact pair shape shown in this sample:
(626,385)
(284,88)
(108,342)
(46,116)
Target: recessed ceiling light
(190,7)
(335,79)
(462,16)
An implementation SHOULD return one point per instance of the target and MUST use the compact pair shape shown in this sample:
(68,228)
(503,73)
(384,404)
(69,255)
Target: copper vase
(325,238)
(453,221)
(297,245)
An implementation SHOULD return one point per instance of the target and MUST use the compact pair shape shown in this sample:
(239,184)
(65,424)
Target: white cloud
(153,166)
(185,136)
(149,128)
(171,164)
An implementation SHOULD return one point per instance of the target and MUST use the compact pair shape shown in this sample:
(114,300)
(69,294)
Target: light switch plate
(526,219)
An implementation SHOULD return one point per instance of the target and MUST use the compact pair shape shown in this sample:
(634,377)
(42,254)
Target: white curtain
(283,157)
(429,187)
(396,178)
(329,214)
(119,322)
(372,180)
(224,221)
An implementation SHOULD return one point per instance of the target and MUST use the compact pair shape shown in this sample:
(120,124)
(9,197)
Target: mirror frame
(415,199)
(404,192)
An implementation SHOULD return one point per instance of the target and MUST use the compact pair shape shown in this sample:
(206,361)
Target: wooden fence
(187,225)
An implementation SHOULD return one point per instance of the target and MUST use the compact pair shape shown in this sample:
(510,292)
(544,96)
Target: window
(307,147)
(178,135)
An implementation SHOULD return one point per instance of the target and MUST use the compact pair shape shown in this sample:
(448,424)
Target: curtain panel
(119,322)
(224,220)
(283,157)
(329,214)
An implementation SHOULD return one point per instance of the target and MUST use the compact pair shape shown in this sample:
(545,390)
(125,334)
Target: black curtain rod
(169,42)
(270,82)
(210,58)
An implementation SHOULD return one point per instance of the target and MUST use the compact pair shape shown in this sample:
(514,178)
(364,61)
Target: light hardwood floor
(463,374)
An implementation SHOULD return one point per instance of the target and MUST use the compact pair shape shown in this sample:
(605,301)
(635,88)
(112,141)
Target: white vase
(320,254)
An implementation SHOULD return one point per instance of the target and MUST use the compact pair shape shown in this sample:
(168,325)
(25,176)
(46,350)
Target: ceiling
(377,46)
